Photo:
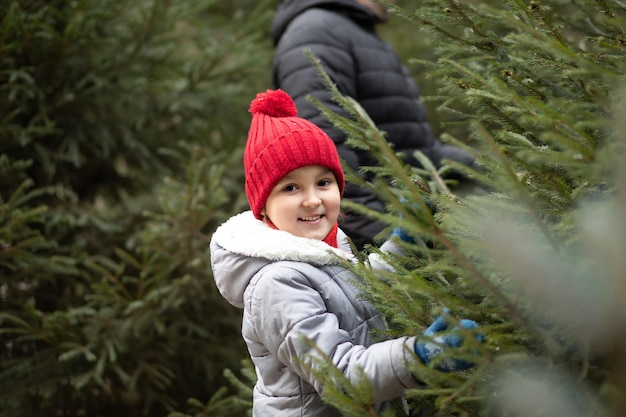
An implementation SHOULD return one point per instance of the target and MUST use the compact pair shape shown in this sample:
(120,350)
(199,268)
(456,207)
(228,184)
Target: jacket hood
(243,245)
(288,9)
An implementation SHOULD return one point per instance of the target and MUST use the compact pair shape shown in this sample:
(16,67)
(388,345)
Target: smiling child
(283,263)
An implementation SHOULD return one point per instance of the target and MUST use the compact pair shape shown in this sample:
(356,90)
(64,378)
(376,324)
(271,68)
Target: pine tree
(120,145)
(534,250)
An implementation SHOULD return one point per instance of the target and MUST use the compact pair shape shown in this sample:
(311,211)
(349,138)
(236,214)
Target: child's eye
(325,182)
(289,188)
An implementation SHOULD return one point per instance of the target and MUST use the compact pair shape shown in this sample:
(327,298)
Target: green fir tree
(533,249)
(121,137)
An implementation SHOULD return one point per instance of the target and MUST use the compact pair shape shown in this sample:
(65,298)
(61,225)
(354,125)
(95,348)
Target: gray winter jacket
(295,294)
(342,35)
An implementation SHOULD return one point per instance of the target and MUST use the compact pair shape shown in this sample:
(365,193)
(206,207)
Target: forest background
(121,137)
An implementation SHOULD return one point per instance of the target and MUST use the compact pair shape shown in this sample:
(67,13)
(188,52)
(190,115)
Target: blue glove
(402,235)
(427,350)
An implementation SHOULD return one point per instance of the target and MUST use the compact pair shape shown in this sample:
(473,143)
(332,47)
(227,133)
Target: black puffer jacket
(342,34)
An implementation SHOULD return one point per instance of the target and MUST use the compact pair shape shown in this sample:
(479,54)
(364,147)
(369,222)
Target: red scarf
(331,237)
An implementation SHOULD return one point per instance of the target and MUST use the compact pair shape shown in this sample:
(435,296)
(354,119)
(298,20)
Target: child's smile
(311,219)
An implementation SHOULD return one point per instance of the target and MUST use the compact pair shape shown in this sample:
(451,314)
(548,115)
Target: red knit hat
(278,143)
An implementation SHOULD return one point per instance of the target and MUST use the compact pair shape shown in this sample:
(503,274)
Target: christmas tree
(533,249)
(120,120)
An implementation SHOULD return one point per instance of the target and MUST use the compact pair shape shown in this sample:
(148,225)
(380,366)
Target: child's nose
(312,199)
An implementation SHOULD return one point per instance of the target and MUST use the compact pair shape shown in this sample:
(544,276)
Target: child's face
(305,202)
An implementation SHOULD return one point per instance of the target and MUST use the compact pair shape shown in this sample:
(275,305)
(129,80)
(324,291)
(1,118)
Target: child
(281,263)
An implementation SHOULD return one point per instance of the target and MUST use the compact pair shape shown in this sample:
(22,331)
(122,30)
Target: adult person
(342,35)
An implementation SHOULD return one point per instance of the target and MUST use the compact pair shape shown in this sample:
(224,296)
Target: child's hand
(426,350)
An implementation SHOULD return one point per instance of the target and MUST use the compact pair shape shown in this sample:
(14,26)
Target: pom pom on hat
(280,142)
(274,103)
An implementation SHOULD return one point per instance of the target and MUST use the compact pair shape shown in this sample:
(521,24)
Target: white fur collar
(246,235)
